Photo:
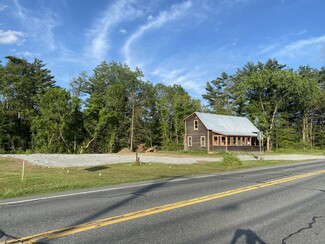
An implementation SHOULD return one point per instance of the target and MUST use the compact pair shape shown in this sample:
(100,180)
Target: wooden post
(23,172)
(137,159)
(226,143)
(208,141)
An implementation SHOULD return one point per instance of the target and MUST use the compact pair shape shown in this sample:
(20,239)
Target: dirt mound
(124,150)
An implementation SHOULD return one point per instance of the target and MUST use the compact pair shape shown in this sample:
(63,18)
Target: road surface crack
(310,226)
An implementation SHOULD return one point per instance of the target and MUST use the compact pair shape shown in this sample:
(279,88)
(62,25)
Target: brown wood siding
(231,143)
(196,134)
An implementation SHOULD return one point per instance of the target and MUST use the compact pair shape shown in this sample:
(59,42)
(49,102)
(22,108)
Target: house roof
(227,125)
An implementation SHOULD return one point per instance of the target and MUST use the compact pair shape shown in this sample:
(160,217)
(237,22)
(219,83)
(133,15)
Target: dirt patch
(125,151)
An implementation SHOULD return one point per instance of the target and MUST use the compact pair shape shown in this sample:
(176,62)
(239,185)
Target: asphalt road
(271,205)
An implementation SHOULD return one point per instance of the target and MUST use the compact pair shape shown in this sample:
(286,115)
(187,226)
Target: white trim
(196,125)
(189,141)
(202,142)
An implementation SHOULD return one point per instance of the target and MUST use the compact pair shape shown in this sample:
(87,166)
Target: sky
(184,42)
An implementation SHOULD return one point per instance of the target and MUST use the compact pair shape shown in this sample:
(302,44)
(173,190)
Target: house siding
(196,130)
(195,134)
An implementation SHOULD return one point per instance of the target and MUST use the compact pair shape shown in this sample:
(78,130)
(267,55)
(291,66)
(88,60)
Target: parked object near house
(215,132)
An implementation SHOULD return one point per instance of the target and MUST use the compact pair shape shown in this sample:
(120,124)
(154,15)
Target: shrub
(230,160)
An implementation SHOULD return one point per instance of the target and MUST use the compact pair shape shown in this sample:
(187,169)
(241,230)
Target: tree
(219,95)
(111,110)
(173,104)
(51,130)
(21,83)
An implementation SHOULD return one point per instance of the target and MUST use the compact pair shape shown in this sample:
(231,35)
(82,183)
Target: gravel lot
(69,160)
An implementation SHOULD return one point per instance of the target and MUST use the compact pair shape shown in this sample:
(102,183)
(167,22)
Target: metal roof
(227,125)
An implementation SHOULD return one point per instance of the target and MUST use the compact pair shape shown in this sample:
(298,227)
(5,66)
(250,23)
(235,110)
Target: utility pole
(132,123)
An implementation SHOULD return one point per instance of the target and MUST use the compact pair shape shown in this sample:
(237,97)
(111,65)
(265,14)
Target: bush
(230,160)
(172,146)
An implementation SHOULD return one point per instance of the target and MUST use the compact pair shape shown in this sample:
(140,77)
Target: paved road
(271,205)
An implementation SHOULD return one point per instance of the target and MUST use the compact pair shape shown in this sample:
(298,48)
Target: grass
(40,180)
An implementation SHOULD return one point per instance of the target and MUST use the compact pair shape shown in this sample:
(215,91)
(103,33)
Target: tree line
(114,107)
(106,111)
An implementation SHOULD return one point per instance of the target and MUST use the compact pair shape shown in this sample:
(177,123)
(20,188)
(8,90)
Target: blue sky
(173,42)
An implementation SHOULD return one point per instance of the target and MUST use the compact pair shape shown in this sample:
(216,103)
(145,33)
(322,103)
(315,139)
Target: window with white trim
(189,141)
(202,141)
(196,124)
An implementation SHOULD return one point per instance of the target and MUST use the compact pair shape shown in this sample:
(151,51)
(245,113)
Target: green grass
(40,180)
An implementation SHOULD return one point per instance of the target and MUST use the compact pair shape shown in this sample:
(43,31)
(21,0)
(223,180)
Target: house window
(223,140)
(239,143)
(216,140)
(189,141)
(202,140)
(249,141)
(235,141)
(196,124)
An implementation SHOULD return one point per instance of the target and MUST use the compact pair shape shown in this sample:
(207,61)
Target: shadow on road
(3,234)
(133,195)
(249,235)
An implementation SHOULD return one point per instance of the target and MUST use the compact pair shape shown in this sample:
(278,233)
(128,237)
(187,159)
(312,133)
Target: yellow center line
(150,211)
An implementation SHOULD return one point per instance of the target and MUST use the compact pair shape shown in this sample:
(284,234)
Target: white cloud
(176,11)
(120,11)
(191,79)
(39,27)
(11,37)
(28,54)
(302,47)
(122,31)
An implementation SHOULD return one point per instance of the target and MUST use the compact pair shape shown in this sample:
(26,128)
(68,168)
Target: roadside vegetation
(41,180)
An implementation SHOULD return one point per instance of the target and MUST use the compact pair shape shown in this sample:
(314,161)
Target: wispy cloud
(122,31)
(99,34)
(190,79)
(39,27)
(3,7)
(301,47)
(175,12)
(11,37)
(28,54)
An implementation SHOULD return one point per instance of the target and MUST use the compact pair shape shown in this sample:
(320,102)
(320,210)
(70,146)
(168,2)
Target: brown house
(214,132)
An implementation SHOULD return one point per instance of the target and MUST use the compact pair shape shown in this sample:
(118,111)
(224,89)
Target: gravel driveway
(73,160)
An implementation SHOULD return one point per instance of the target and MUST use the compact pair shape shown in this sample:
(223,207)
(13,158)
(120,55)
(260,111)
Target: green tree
(173,104)
(51,130)
(220,96)
(21,83)
(112,109)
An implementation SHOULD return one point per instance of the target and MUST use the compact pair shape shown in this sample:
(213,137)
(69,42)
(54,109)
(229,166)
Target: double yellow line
(150,211)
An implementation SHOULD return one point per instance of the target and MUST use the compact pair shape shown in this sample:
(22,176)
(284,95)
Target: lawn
(40,180)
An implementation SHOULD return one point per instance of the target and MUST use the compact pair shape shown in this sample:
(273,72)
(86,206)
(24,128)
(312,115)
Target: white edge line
(101,190)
